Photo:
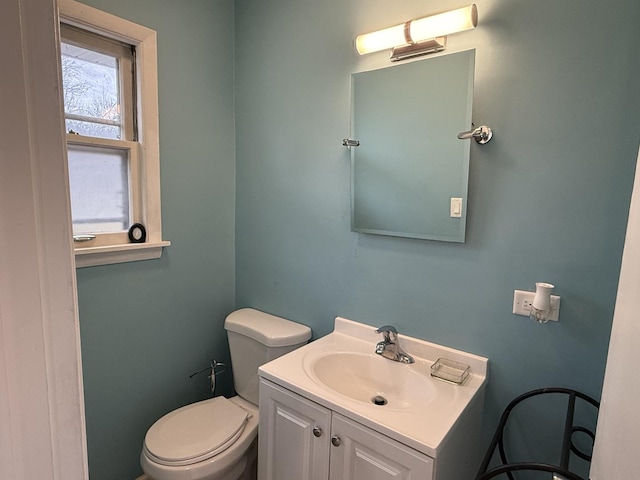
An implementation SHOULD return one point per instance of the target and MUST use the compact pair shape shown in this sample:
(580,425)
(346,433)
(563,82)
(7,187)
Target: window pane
(92,129)
(91,92)
(99,179)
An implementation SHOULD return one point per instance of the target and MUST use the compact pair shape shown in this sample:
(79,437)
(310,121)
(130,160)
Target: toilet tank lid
(267,329)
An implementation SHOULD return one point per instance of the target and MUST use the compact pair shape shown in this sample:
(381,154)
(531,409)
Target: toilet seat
(195,433)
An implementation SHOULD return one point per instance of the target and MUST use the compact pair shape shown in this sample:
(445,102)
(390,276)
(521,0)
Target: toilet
(216,439)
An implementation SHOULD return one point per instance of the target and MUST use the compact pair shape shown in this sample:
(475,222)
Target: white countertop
(425,428)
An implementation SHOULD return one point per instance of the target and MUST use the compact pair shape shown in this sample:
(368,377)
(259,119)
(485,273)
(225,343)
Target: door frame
(41,398)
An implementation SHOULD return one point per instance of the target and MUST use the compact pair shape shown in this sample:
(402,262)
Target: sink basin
(341,373)
(373,380)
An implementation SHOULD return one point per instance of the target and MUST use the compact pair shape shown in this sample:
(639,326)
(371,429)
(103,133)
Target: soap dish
(450,371)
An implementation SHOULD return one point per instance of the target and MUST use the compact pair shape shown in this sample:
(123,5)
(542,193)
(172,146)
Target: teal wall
(548,200)
(145,326)
(548,196)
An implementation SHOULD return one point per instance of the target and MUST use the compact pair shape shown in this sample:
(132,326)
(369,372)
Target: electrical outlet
(523,300)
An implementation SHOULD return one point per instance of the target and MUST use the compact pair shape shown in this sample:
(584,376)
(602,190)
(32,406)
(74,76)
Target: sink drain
(379,400)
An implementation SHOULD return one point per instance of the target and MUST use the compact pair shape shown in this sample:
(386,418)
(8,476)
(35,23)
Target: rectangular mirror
(409,175)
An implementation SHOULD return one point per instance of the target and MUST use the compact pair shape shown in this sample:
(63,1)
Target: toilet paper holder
(215,368)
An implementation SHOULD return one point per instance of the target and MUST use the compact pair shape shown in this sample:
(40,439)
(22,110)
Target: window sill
(130,252)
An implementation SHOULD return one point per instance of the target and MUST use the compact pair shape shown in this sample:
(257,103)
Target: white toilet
(215,439)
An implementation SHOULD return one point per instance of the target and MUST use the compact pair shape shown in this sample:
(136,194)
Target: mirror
(410,167)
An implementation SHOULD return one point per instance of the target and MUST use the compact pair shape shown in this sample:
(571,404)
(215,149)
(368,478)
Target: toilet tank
(256,338)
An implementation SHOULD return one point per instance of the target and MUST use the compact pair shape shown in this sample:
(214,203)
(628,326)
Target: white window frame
(144,39)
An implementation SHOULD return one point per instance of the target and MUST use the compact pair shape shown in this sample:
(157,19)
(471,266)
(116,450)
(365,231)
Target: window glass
(91,92)
(99,179)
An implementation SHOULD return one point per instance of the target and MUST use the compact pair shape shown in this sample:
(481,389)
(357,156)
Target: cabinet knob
(317,432)
(335,441)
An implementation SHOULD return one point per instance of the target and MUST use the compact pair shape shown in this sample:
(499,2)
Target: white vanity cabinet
(302,440)
(335,410)
(364,454)
(293,436)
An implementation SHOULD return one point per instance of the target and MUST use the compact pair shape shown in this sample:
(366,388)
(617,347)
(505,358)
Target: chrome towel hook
(481,134)
(350,142)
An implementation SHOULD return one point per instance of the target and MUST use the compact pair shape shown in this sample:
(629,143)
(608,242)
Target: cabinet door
(293,438)
(359,453)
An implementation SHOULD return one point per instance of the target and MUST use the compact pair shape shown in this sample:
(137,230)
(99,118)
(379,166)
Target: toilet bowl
(226,454)
(216,439)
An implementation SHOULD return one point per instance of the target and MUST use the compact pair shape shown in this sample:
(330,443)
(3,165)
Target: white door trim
(615,449)
(41,400)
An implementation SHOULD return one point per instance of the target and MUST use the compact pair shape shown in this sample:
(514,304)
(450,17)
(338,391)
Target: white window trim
(144,39)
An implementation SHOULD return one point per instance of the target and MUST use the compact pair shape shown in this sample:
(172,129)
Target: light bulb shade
(443,24)
(542,298)
(418,30)
(380,40)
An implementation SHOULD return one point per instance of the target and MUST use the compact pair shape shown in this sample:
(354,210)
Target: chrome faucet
(389,347)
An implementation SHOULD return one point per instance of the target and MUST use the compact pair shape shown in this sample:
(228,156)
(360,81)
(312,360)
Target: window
(97,81)
(109,82)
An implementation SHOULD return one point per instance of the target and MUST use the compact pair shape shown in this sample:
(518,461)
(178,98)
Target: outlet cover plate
(522,301)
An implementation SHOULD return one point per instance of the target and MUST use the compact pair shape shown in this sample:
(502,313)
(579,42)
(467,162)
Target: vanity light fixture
(419,36)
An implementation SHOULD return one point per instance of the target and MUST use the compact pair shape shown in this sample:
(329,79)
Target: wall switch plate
(456,207)
(522,301)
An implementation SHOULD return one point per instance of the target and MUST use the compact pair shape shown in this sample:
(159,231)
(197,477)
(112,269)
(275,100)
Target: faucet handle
(387,328)
(389,332)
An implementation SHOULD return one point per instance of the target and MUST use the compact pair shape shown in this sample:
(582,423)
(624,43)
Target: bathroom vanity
(334,410)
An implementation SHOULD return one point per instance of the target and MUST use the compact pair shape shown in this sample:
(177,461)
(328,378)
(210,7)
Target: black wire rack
(561,470)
